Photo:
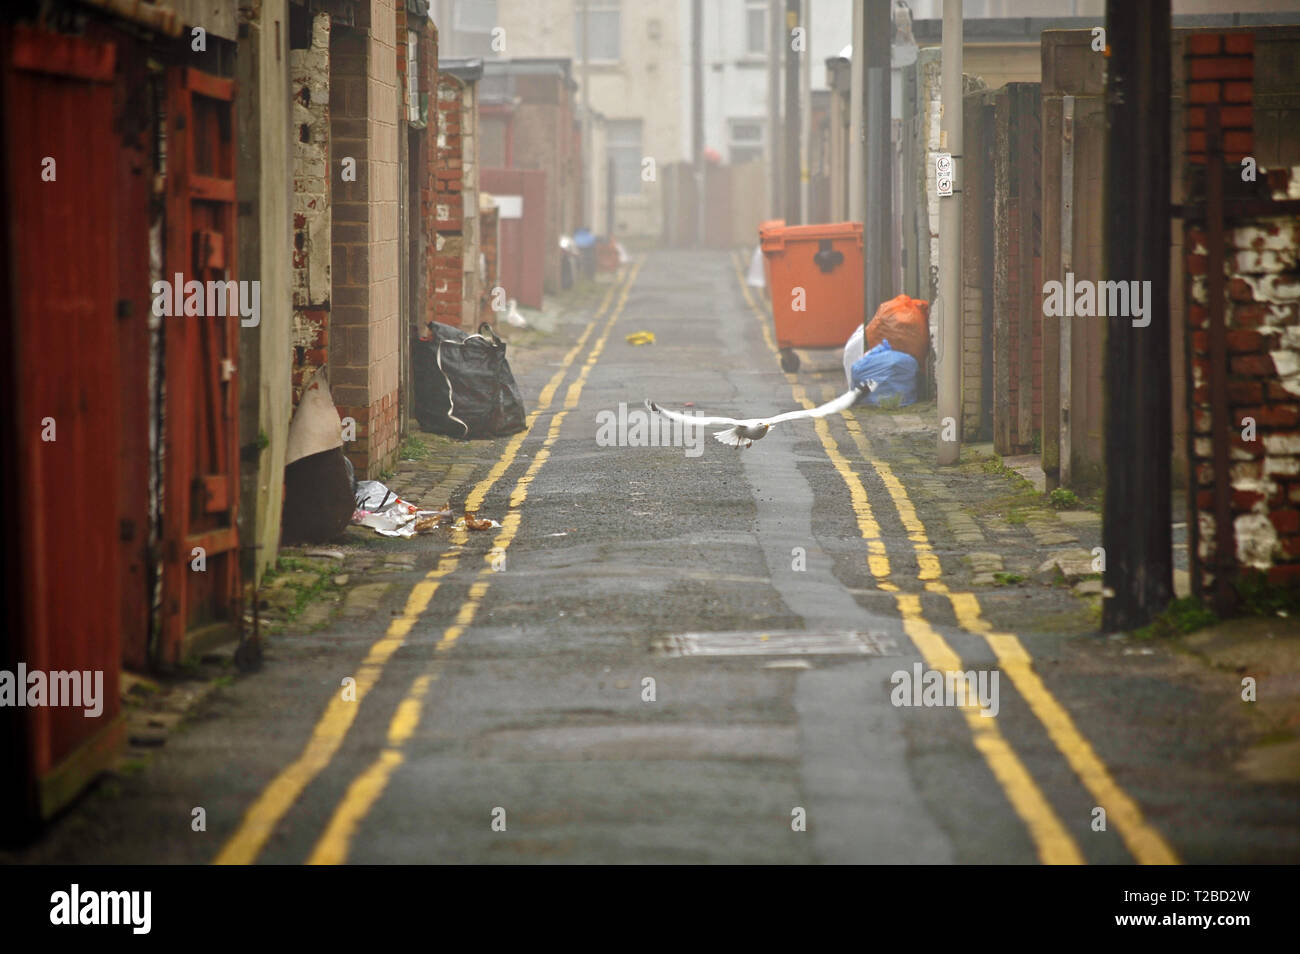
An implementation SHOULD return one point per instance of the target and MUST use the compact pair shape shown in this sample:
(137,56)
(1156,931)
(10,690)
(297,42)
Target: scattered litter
(471,522)
(386,513)
(373,496)
(641,338)
(560,534)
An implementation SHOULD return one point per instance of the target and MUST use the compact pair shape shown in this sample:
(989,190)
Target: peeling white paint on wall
(310,82)
(1256,540)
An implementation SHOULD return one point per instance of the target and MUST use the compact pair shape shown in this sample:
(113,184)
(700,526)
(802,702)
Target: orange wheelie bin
(814,277)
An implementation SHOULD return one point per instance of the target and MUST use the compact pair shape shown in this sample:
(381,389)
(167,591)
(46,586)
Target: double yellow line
(365,790)
(275,801)
(1053,843)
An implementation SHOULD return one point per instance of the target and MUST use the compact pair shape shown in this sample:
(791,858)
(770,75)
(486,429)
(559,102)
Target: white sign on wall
(509,206)
(943,173)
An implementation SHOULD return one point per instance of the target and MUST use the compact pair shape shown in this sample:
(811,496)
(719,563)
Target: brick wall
(1262,319)
(1262,324)
(448,266)
(429,178)
(1220,68)
(309,80)
(364,342)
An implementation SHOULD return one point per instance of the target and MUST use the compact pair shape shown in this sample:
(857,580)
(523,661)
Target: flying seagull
(743,433)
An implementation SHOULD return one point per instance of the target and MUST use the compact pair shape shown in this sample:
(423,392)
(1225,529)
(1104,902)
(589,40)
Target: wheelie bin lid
(773,240)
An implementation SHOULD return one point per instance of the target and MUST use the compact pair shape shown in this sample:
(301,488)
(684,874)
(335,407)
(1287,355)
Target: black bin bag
(462,384)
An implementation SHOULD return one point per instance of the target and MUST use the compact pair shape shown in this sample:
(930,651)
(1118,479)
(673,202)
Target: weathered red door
(200,572)
(521,230)
(61,482)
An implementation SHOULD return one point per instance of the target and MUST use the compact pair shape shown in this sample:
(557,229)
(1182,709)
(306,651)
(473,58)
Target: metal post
(805,106)
(775,18)
(588,160)
(1137,425)
(857,169)
(697,110)
(609,198)
(877,228)
(950,134)
(791,163)
(1067,266)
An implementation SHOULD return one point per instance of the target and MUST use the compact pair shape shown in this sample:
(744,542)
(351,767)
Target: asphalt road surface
(689,654)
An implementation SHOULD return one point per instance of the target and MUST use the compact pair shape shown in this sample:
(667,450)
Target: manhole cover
(776,644)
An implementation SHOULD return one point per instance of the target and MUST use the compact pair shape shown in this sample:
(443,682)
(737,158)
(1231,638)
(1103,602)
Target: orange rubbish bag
(905,323)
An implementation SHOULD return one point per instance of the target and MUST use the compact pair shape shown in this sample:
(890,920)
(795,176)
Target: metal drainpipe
(949,358)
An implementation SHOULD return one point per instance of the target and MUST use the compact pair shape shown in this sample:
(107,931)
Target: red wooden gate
(522,239)
(201,442)
(62,546)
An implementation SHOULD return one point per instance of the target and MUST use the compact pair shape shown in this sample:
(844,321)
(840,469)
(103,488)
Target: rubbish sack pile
(383,511)
(905,323)
(902,321)
(462,384)
(893,371)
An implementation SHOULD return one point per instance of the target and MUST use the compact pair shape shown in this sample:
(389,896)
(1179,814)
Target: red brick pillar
(449,206)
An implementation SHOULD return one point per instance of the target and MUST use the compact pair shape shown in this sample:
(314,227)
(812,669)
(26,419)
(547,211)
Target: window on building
(745,140)
(623,146)
(603,30)
(472,23)
(756,26)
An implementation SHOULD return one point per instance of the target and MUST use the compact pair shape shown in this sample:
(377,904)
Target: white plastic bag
(852,352)
(756,277)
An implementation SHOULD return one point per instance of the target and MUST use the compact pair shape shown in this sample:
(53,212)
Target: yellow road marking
(1053,843)
(335,841)
(278,797)
(1143,841)
(1146,844)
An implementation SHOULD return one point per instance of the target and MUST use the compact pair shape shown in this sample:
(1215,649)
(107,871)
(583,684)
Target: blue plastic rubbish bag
(893,371)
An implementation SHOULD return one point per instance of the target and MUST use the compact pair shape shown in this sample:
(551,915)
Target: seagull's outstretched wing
(845,400)
(693,419)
